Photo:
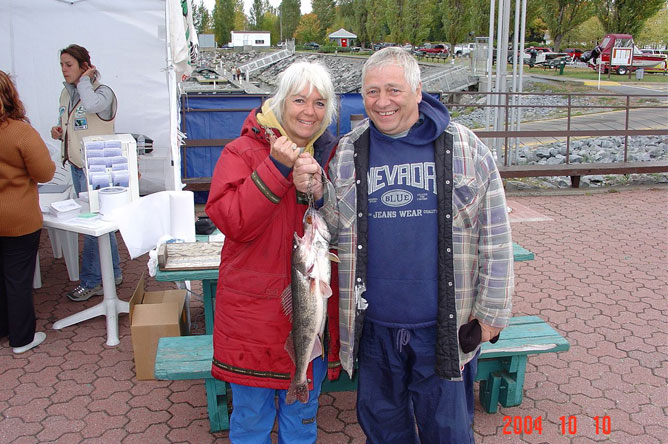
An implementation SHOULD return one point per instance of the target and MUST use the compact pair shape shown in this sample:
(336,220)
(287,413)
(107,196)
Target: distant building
(342,37)
(261,39)
(206,40)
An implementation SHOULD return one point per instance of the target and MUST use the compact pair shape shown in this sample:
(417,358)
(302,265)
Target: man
(426,269)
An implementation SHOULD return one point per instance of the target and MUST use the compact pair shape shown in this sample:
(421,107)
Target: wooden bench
(501,366)
(576,170)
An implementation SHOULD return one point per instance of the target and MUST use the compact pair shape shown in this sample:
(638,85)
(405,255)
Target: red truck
(433,48)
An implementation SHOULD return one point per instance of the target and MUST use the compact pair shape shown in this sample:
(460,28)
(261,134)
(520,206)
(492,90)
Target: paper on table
(146,221)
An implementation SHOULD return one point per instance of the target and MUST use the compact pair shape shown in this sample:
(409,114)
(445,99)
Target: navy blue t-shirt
(402,271)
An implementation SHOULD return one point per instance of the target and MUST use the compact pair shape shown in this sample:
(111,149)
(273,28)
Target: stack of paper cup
(112,198)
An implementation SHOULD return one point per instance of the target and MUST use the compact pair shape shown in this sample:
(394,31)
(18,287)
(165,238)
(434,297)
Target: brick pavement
(600,277)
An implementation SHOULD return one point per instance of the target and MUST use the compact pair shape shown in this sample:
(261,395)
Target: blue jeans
(90,275)
(254,411)
(398,389)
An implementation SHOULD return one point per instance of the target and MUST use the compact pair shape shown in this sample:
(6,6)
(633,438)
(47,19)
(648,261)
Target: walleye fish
(305,300)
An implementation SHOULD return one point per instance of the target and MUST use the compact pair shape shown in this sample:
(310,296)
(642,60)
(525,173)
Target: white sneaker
(37,339)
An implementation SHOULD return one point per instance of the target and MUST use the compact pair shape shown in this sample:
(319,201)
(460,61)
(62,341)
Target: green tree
(290,14)
(562,16)
(201,18)
(415,22)
(655,31)
(223,20)
(375,26)
(325,10)
(457,19)
(353,15)
(626,16)
(309,29)
(589,33)
(240,19)
(256,13)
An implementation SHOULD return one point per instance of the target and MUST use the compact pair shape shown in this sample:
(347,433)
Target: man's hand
(488,332)
(307,175)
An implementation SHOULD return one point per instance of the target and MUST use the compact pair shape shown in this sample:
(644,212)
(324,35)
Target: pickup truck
(465,49)
(431,48)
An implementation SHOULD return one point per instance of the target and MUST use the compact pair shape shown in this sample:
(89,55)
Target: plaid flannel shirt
(482,244)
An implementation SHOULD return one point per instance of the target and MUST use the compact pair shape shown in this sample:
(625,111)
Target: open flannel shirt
(481,238)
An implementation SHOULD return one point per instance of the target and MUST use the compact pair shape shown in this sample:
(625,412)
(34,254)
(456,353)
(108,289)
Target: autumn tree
(626,16)
(562,16)
(309,29)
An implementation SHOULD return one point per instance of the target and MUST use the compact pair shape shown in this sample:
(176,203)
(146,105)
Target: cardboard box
(153,315)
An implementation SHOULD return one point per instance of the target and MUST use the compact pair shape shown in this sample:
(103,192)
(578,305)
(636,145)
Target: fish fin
(297,392)
(333,257)
(286,302)
(290,348)
(325,289)
(316,352)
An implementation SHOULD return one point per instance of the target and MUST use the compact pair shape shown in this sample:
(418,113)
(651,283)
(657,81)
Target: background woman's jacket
(24,161)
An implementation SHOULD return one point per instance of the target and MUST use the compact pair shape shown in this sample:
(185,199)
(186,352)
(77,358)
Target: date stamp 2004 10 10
(527,425)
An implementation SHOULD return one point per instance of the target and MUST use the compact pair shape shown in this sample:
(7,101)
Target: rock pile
(594,150)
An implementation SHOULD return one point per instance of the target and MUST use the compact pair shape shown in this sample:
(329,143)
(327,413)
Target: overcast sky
(306,5)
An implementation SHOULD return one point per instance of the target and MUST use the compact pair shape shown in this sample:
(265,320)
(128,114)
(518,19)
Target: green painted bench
(501,366)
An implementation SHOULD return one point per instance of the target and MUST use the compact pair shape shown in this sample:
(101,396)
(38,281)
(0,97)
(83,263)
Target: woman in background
(24,161)
(87,108)
(257,200)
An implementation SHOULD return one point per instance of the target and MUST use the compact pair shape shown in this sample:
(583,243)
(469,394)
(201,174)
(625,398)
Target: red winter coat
(256,208)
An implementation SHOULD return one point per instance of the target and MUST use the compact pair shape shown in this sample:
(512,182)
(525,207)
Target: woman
(87,108)
(24,161)
(257,201)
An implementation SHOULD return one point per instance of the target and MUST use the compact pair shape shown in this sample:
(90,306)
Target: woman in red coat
(257,201)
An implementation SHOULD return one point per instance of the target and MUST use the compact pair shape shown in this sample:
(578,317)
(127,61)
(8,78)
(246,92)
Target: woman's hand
(284,151)
(90,72)
(57,132)
(307,175)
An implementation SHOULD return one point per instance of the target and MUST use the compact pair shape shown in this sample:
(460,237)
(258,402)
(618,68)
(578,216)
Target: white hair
(393,55)
(298,76)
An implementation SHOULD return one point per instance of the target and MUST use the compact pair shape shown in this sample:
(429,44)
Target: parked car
(381,45)
(574,53)
(312,45)
(433,48)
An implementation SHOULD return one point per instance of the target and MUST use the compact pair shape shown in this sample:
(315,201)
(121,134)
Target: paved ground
(600,277)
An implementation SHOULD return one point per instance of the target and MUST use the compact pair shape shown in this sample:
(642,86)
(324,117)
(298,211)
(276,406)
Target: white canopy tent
(129,44)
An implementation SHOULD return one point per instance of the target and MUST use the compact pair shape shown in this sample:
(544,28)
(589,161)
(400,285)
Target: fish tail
(297,392)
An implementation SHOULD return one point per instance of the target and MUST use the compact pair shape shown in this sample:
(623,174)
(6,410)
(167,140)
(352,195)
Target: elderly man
(426,270)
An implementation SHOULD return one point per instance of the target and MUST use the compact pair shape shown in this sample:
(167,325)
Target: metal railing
(597,124)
